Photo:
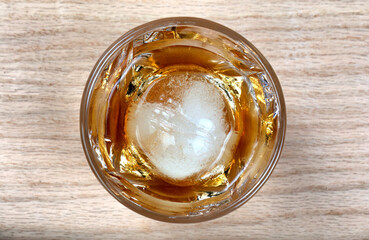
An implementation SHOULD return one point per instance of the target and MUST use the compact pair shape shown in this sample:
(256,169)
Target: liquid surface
(178,121)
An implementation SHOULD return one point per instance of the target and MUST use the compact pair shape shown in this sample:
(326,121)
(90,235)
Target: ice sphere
(182,138)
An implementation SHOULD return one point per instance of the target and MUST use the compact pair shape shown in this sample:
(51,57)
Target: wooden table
(319,50)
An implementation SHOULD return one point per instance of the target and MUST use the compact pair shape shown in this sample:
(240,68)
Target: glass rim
(192,21)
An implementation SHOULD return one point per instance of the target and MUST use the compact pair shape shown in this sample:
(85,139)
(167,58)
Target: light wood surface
(319,50)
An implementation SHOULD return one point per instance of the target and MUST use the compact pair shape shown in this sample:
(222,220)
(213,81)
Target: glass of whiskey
(182,120)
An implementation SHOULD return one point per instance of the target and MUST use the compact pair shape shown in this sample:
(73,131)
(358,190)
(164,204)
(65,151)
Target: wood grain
(320,51)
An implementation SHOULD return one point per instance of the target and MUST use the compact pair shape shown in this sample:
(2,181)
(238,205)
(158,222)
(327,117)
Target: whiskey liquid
(177,121)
